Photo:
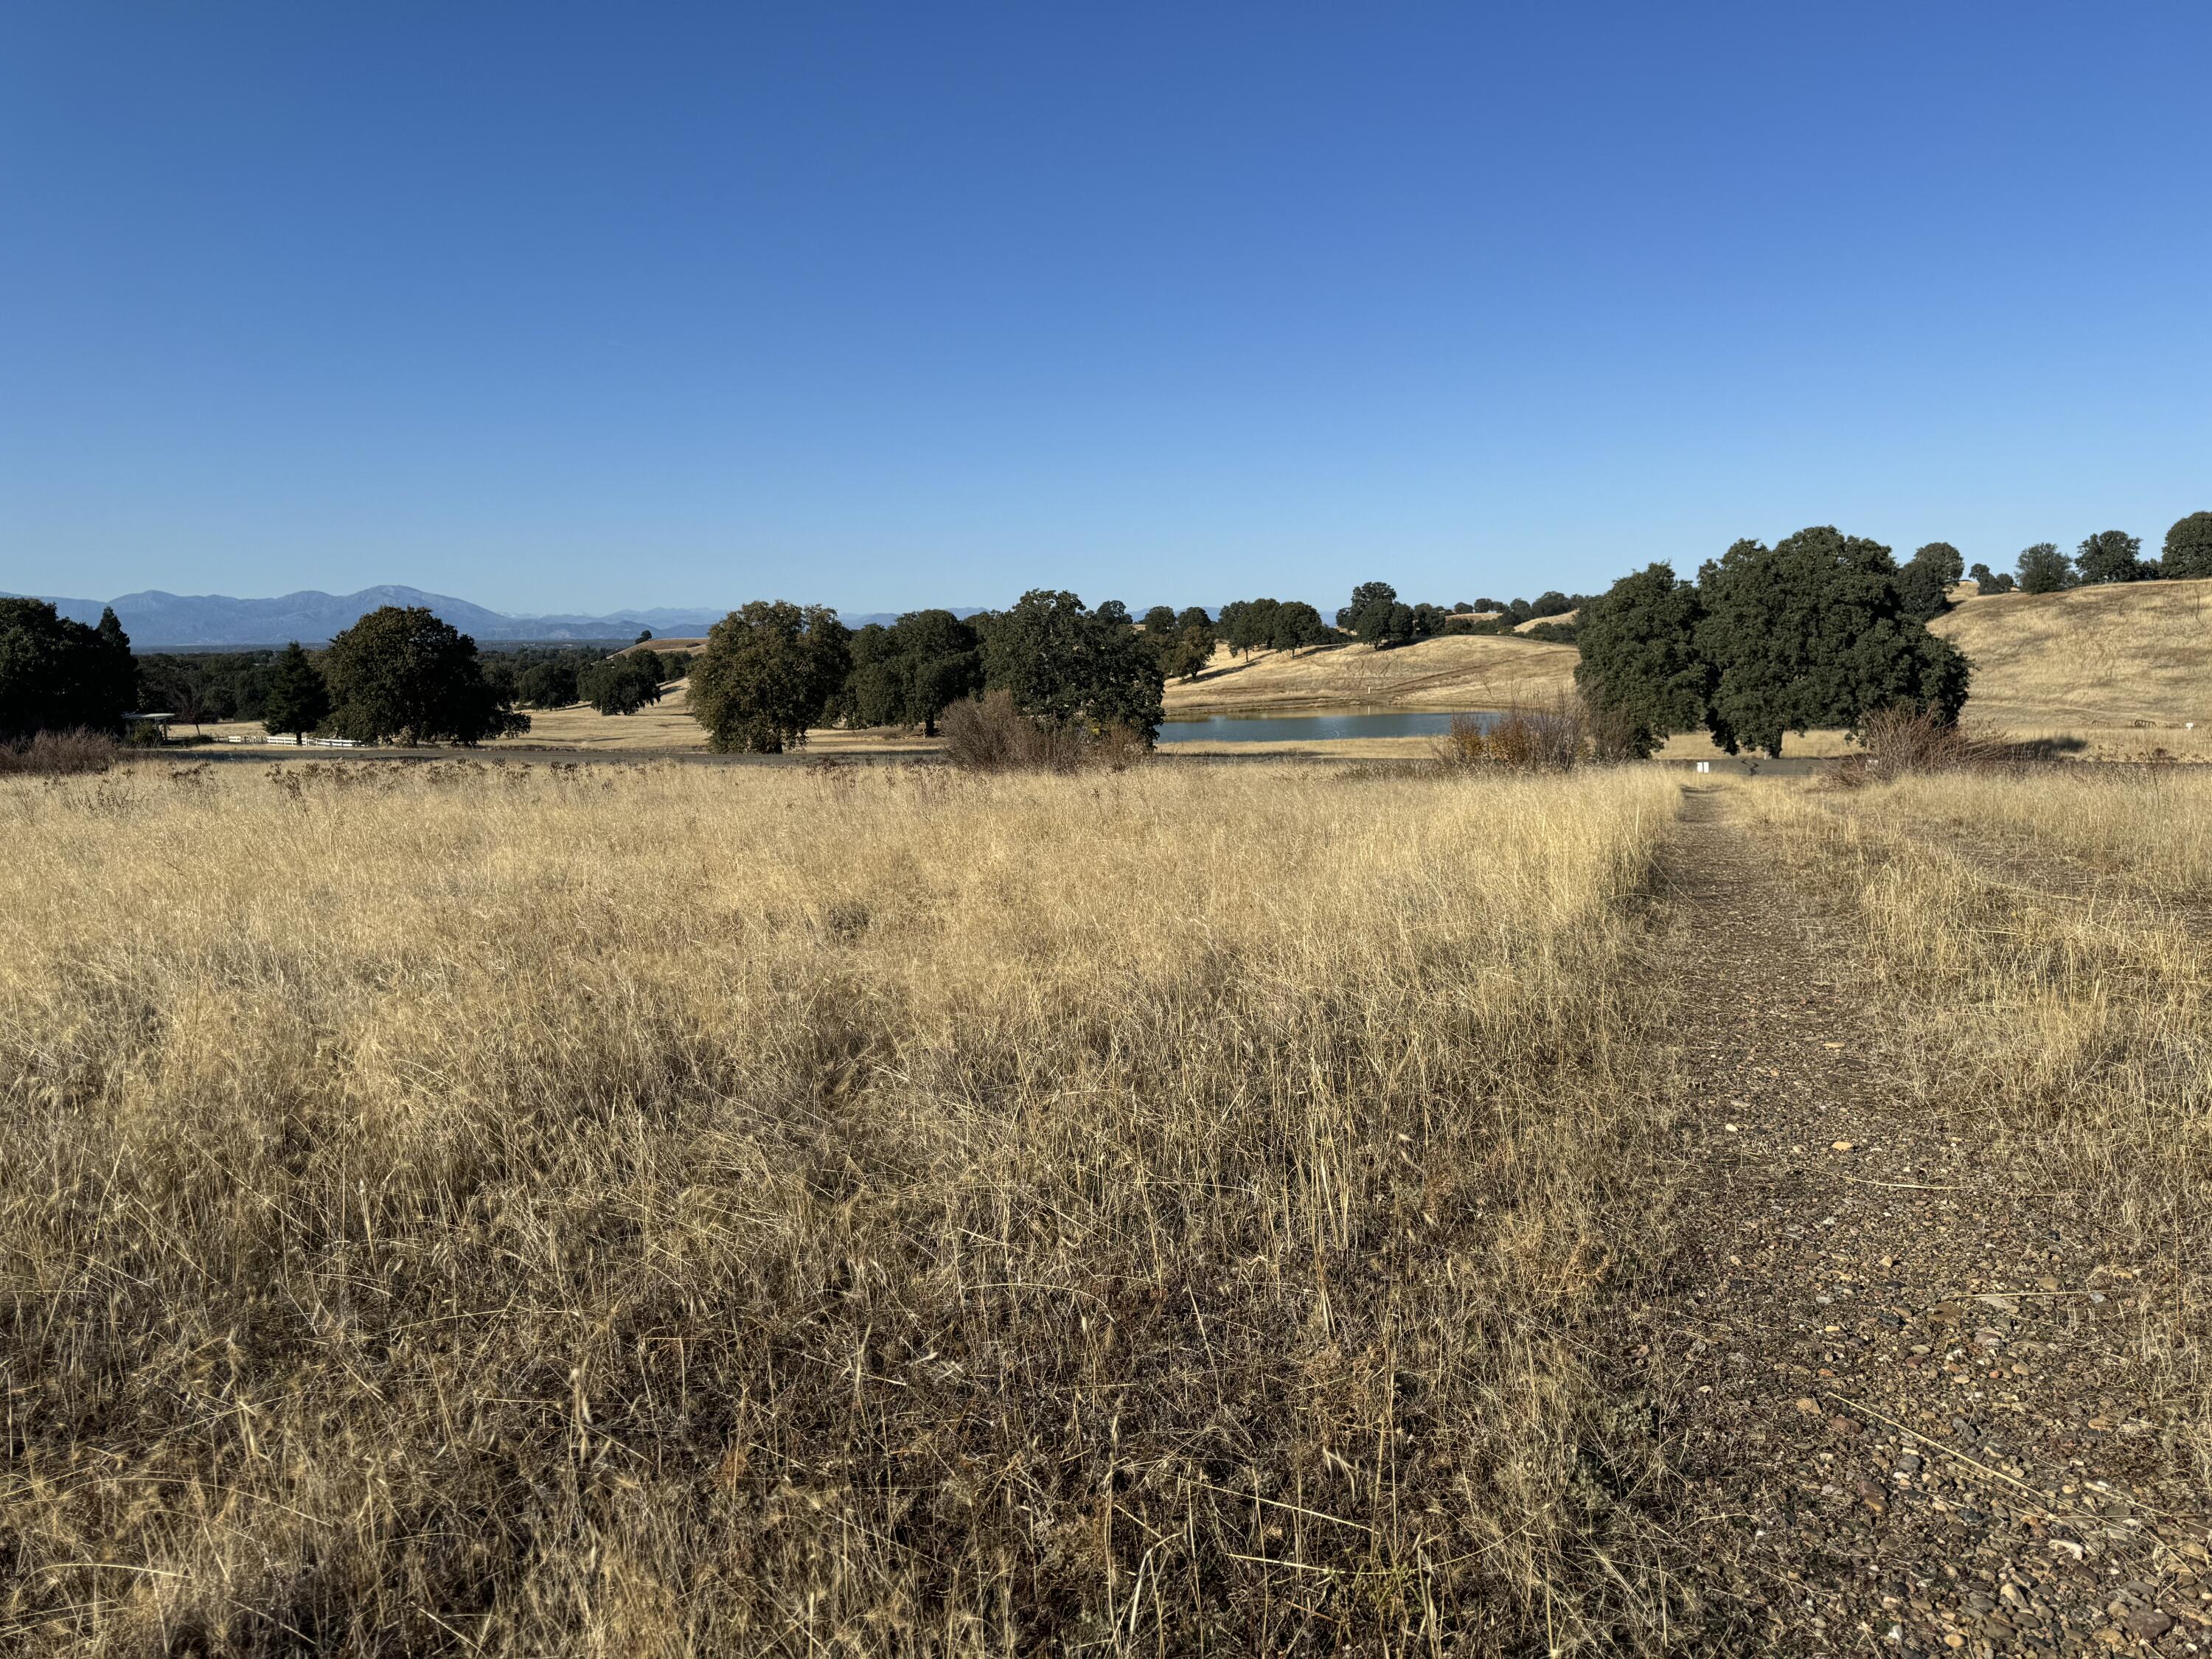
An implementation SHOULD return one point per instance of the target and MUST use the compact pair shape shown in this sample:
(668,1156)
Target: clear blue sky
(562,307)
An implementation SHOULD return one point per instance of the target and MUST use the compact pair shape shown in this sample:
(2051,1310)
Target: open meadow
(670,1210)
(460,1208)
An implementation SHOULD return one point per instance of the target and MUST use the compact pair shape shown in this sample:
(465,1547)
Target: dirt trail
(1909,1418)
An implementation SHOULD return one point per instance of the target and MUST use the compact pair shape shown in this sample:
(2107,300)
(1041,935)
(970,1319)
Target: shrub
(1525,740)
(1899,739)
(989,734)
(58,754)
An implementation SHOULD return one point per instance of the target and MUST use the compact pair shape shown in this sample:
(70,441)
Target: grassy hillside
(1454,671)
(1563,618)
(2090,660)
(2093,656)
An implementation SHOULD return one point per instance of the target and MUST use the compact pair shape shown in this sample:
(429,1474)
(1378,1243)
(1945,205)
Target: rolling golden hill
(1453,671)
(2090,656)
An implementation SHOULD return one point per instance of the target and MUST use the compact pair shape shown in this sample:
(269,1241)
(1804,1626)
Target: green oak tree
(768,673)
(622,684)
(1813,632)
(1924,583)
(402,673)
(2188,551)
(2112,556)
(2044,569)
(1641,668)
(1060,661)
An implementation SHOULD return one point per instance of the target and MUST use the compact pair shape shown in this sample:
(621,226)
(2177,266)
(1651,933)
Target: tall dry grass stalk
(2049,938)
(743,1210)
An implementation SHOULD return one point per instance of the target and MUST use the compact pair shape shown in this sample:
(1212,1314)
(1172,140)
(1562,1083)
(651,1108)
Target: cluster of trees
(909,672)
(1819,630)
(398,674)
(393,673)
(1508,615)
(1182,641)
(199,686)
(1380,619)
(403,675)
(57,675)
(540,676)
(772,669)
(1249,625)
(2108,556)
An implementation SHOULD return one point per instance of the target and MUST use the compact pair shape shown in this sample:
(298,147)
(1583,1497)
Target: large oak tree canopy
(768,673)
(402,673)
(1817,630)
(1062,662)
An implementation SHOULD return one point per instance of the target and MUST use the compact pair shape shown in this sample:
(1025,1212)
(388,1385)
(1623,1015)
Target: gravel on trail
(1908,1412)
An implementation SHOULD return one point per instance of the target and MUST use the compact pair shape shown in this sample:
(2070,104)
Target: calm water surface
(1314,728)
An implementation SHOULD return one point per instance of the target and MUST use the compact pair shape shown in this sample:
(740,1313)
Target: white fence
(311,743)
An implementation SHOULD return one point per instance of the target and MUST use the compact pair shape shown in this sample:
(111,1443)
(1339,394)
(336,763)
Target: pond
(1316,728)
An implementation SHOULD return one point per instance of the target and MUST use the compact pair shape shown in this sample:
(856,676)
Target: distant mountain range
(157,621)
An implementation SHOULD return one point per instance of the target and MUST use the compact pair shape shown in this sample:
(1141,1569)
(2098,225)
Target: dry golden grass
(2051,935)
(1562,619)
(701,1211)
(1450,671)
(666,724)
(2099,657)
(669,727)
(666,727)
